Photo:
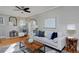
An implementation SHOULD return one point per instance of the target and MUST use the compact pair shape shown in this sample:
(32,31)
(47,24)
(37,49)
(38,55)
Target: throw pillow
(54,35)
(41,34)
(37,33)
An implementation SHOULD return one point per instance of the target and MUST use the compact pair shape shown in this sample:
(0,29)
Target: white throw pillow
(48,34)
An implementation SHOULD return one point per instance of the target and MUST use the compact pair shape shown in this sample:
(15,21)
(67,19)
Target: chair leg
(21,47)
(44,49)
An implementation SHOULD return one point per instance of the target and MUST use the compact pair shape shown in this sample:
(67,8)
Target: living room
(63,20)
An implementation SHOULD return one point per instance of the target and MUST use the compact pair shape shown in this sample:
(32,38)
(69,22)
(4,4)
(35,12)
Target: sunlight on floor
(11,48)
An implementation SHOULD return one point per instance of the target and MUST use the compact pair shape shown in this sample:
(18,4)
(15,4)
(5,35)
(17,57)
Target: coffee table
(34,46)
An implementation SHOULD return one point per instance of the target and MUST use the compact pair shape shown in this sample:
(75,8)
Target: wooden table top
(34,45)
(12,40)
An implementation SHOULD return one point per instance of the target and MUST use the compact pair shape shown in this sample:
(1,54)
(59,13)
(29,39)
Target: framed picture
(13,20)
(1,20)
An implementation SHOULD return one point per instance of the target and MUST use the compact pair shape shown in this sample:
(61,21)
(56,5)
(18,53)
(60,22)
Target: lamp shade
(71,27)
(71,30)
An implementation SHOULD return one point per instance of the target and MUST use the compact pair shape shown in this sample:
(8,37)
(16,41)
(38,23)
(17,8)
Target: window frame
(49,20)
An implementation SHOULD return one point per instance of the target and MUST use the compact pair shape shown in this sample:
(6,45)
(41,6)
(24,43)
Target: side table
(71,45)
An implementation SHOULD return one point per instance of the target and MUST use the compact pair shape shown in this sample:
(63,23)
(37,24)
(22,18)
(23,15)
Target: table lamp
(71,30)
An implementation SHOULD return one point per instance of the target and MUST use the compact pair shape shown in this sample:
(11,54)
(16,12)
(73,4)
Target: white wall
(5,27)
(64,16)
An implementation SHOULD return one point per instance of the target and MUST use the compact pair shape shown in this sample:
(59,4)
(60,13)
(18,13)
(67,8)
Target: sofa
(57,43)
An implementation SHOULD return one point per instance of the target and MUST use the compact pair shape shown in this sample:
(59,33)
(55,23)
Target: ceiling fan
(23,9)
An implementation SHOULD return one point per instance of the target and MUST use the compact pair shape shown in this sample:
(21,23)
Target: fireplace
(13,33)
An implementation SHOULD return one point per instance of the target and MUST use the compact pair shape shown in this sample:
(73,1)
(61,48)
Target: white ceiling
(12,10)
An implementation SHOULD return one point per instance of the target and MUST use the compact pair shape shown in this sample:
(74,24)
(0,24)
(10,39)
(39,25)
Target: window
(50,23)
(33,24)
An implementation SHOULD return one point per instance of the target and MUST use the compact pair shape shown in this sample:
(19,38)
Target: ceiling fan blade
(26,8)
(23,9)
(28,11)
(18,7)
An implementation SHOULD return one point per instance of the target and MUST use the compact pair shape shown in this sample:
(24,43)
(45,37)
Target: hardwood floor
(8,41)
